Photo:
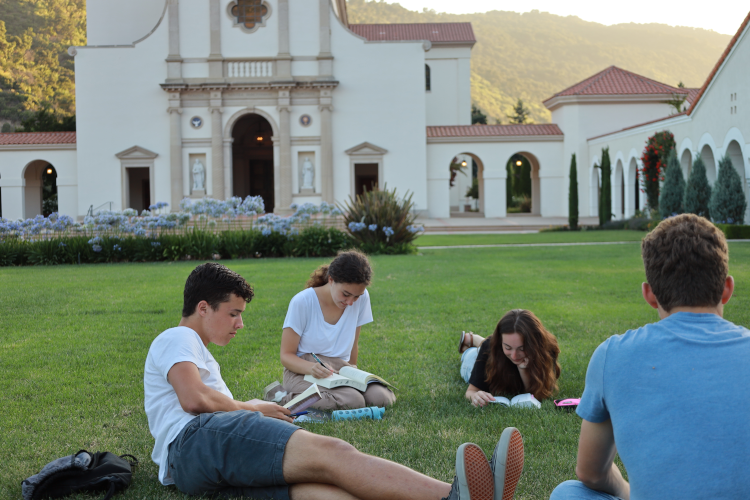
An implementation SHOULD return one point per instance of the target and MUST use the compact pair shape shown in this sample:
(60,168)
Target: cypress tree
(698,190)
(605,201)
(573,195)
(728,201)
(673,191)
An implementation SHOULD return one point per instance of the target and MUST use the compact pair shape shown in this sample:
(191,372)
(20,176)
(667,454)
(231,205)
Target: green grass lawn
(430,240)
(73,342)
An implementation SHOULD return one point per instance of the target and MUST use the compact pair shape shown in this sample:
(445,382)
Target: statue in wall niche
(308,174)
(199,176)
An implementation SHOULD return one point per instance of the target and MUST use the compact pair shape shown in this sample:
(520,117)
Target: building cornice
(38,147)
(500,138)
(247,85)
(555,102)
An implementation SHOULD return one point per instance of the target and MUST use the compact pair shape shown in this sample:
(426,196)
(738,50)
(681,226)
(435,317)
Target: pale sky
(722,16)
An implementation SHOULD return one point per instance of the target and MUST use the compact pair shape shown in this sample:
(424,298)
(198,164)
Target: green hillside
(534,55)
(35,69)
(529,56)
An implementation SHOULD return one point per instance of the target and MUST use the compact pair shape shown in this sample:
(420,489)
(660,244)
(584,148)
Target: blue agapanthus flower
(96,248)
(266,231)
(155,244)
(356,226)
(372,227)
(388,231)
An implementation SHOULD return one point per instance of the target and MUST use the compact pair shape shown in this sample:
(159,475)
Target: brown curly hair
(539,345)
(351,266)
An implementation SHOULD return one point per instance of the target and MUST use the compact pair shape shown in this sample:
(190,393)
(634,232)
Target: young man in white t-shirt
(207,443)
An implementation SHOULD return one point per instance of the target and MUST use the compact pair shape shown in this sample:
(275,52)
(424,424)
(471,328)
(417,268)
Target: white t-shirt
(166,418)
(305,317)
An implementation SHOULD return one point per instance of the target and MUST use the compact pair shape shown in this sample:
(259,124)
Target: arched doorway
(252,159)
(40,189)
(707,155)
(522,184)
(734,152)
(466,193)
(595,188)
(686,163)
(632,201)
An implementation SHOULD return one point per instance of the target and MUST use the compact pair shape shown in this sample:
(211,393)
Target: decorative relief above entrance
(249,15)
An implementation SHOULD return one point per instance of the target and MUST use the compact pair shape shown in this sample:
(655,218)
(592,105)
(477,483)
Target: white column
(13,199)
(217,155)
(283,186)
(494,182)
(215,59)
(284,59)
(326,146)
(228,173)
(174,61)
(175,154)
(325,58)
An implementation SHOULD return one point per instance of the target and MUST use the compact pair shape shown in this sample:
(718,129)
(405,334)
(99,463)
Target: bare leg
(310,458)
(317,491)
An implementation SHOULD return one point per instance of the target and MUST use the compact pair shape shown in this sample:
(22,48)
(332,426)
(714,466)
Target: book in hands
(347,376)
(521,401)
(309,397)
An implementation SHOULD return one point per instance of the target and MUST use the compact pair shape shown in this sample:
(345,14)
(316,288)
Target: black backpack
(82,472)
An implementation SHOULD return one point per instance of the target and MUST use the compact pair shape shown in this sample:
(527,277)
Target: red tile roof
(38,138)
(494,130)
(721,60)
(692,95)
(617,81)
(434,32)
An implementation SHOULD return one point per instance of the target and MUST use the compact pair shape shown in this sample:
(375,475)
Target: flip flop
(461,346)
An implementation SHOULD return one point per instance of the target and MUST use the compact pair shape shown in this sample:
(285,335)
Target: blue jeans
(576,490)
(237,454)
(468,358)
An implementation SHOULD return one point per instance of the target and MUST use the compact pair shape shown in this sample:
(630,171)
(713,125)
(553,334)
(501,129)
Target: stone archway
(734,152)
(618,191)
(686,163)
(253,159)
(35,175)
(595,187)
(707,154)
(525,168)
(465,163)
(632,190)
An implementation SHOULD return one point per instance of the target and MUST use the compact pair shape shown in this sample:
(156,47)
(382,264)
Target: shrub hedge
(735,232)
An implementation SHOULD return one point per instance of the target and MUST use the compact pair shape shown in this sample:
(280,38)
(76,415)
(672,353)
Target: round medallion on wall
(305,120)
(196,122)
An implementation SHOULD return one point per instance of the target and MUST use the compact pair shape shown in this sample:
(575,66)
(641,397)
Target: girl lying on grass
(325,319)
(520,357)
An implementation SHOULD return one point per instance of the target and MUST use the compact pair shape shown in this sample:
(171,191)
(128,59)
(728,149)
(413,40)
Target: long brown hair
(539,345)
(351,266)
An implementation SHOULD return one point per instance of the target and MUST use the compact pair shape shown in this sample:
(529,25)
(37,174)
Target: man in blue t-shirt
(671,398)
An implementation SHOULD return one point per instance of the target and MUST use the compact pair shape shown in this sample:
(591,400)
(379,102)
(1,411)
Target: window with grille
(250,13)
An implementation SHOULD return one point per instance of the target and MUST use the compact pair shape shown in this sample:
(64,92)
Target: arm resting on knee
(596,454)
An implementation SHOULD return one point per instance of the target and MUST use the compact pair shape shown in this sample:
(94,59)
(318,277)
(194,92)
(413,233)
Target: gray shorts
(237,454)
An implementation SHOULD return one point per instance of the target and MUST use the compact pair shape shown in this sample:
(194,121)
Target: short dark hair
(213,283)
(687,262)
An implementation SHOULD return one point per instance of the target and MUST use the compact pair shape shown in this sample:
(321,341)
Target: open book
(522,401)
(347,376)
(308,398)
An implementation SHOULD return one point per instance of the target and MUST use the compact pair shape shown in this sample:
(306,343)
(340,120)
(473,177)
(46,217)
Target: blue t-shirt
(678,395)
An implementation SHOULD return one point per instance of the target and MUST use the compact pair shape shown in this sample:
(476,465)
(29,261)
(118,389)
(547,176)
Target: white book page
(525,400)
(501,400)
(354,374)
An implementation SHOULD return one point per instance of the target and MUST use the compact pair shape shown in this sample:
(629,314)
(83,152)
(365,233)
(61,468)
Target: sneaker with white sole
(473,479)
(507,463)
(274,392)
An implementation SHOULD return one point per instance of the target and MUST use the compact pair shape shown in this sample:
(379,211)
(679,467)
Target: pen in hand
(321,363)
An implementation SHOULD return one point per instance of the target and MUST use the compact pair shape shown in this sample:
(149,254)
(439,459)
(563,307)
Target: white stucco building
(287,100)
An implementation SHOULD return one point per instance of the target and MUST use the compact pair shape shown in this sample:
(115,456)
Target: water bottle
(372,412)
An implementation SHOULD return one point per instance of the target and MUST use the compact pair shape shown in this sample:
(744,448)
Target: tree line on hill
(524,57)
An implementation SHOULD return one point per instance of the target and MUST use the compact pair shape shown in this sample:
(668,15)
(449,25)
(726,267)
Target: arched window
(427,82)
